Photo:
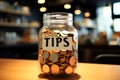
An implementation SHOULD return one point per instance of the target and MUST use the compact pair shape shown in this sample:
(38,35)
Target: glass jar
(58,44)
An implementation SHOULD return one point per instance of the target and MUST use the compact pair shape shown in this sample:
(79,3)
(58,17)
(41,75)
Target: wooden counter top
(16,69)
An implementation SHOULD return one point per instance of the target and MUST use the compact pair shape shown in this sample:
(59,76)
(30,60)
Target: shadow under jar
(58,44)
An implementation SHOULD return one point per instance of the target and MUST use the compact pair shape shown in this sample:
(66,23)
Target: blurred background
(97,22)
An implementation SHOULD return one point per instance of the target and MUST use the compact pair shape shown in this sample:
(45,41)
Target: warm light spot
(87,14)
(43,9)
(16,3)
(41,1)
(77,11)
(67,6)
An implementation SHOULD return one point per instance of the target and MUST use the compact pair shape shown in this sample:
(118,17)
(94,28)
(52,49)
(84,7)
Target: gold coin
(74,66)
(73,42)
(56,51)
(54,34)
(69,51)
(68,70)
(44,60)
(40,59)
(63,52)
(44,31)
(53,51)
(62,72)
(67,59)
(49,63)
(68,55)
(54,57)
(45,68)
(44,34)
(72,60)
(63,65)
(62,60)
(55,69)
(49,32)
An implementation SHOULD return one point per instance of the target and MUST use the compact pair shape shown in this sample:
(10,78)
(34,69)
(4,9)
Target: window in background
(116,8)
(116,25)
(104,20)
(116,13)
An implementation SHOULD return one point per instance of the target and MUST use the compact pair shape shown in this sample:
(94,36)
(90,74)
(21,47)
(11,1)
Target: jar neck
(58,18)
(58,22)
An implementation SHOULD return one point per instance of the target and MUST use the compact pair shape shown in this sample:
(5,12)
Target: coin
(53,51)
(40,43)
(55,69)
(74,47)
(67,59)
(54,34)
(72,60)
(44,60)
(56,51)
(75,54)
(45,68)
(44,35)
(45,54)
(69,54)
(63,52)
(70,51)
(40,52)
(49,32)
(68,70)
(62,72)
(50,51)
(73,42)
(62,60)
(70,35)
(64,65)
(54,57)
(40,59)
(49,63)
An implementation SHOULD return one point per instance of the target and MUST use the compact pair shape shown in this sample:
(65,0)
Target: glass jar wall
(58,44)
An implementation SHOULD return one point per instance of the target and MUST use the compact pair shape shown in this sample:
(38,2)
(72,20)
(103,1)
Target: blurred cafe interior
(97,23)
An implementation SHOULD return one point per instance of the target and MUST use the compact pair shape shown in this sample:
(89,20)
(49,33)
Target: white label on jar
(57,43)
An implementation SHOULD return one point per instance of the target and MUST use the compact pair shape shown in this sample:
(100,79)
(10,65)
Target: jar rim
(58,13)
(58,18)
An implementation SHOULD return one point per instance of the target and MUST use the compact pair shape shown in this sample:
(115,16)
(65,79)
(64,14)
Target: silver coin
(54,57)
(45,54)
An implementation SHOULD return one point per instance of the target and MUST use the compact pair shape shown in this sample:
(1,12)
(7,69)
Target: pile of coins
(57,61)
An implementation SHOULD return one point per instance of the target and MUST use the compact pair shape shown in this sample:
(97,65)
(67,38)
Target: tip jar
(58,44)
